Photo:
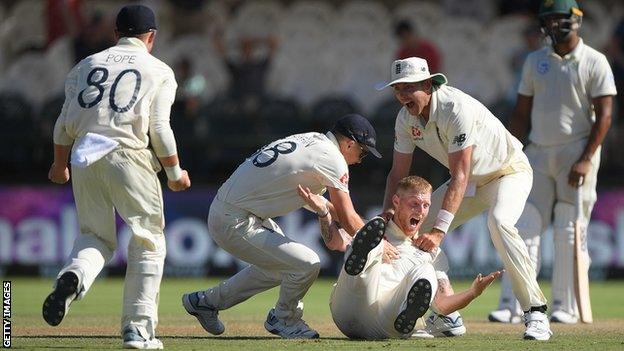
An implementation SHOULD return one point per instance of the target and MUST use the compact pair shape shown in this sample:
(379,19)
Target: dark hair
(403,27)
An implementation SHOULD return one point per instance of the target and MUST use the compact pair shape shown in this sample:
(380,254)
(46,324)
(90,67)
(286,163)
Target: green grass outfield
(93,323)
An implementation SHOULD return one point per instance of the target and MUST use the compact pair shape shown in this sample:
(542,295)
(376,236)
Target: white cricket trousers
(504,198)
(124,180)
(553,200)
(274,260)
(365,306)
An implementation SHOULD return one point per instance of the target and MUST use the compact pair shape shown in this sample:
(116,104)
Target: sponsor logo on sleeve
(459,139)
(417,133)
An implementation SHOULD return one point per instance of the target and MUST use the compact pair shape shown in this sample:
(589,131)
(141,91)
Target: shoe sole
(557,320)
(418,300)
(364,241)
(453,332)
(186,302)
(141,345)
(54,306)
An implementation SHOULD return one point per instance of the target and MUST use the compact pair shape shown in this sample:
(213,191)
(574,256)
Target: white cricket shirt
(121,93)
(410,256)
(457,121)
(266,183)
(562,89)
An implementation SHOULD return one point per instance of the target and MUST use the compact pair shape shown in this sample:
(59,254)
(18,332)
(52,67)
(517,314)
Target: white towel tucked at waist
(91,148)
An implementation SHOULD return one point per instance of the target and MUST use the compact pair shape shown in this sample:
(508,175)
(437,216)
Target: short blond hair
(415,183)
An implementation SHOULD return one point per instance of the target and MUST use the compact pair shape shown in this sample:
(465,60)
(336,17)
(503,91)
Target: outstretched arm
(449,304)
(333,236)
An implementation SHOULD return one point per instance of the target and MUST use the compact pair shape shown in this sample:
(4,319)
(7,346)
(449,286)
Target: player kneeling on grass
(386,285)
(263,187)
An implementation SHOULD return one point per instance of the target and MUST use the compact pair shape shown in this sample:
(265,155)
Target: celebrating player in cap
(566,93)
(488,171)
(113,100)
(381,292)
(266,185)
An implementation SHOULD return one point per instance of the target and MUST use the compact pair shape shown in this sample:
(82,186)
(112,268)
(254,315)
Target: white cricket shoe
(504,316)
(441,325)
(297,330)
(56,305)
(133,339)
(563,317)
(207,315)
(537,326)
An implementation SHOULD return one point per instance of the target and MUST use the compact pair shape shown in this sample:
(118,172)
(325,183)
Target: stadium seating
(329,58)
(17,134)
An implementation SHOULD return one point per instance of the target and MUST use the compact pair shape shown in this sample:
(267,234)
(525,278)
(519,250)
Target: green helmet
(566,7)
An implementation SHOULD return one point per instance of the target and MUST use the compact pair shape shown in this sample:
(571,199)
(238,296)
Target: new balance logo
(459,139)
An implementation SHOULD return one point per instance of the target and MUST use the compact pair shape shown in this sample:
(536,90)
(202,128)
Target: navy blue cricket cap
(135,19)
(358,128)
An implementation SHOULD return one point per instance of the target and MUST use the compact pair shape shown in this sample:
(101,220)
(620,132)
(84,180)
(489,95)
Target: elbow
(460,178)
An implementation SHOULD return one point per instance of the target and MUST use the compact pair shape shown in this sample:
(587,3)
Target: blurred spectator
(188,18)
(63,17)
(533,37)
(96,36)
(191,86)
(413,45)
(248,73)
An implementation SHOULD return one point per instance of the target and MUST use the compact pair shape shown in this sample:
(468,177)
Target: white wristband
(444,220)
(174,173)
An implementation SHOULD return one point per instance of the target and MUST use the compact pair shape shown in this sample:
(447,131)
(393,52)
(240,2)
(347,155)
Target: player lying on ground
(386,285)
(263,187)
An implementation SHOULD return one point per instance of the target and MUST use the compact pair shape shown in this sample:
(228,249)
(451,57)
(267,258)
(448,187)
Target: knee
(531,222)
(87,242)
(314,266)
(140,250)
(311,266)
